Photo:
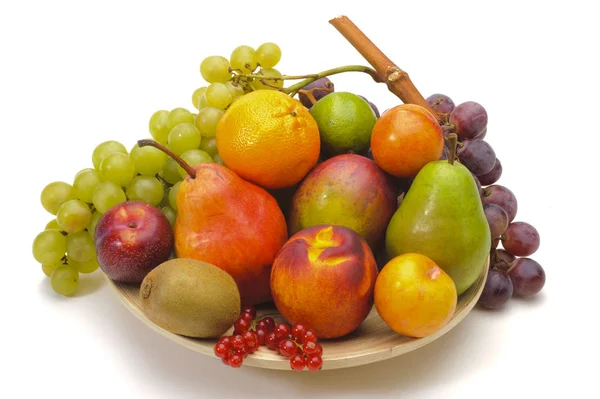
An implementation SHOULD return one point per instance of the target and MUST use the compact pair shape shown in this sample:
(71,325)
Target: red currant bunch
(297,343)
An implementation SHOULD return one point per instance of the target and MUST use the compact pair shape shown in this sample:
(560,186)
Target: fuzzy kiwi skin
(190,298)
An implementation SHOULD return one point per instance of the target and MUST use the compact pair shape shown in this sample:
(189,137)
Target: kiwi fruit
(190,298)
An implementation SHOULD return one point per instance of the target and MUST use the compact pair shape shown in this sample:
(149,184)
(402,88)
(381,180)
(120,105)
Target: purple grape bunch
(512,272)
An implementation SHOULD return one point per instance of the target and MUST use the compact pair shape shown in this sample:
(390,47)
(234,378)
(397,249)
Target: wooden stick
(396,79)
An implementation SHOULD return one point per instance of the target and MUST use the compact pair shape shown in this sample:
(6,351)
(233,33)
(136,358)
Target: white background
(75,74)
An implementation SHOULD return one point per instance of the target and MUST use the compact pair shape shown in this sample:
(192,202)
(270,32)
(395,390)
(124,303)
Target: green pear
(442,218)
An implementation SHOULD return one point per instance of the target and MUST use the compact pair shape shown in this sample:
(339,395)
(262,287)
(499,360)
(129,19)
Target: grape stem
(397,80)
(453,139)
(186,166)
(293,89)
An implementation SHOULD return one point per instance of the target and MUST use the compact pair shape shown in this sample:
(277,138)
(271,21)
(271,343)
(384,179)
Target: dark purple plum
(493,175)
(498,289)
(503,197)
(322,87)
(497,219)
(477,155)
(469,119)
(527,276)
(521,239)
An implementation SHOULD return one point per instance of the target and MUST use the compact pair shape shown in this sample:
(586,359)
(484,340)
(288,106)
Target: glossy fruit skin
(268,138)
(450,227)
(521,239)
(414,296)
(230,223)
(527,276)
(498,289)
(131,239)
(346,190)
(323,278)
(405,138)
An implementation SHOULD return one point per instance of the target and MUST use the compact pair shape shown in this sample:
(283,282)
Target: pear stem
(186,166)
(453,139)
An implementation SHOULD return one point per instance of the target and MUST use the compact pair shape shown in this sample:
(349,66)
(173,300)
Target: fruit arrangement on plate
(297,225)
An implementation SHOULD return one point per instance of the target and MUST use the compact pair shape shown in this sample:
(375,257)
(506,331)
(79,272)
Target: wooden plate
(371,342)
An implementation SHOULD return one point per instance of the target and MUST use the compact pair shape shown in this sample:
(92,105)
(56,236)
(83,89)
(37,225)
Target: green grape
(84,184)
(145,188)
(65,280)
(104,149)
(48,269)
(74,216)
(86,267)
(173,195)
(55,194)
(215,69)
(165,199)
(219,160)
(106,195)
(169,172)
(159,126)
(92,227)
(80,247)
(235,89)
(183,137)
(207,121)
(49,247)
(147,160)
(218,95)
(193,157)
(209,145)
(53,225)
(272,72)
(243,58)
(196,96)
(268,55)
(169,213)
(177,116)
(117,168)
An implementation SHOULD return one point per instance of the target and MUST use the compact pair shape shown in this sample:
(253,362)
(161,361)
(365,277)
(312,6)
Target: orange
(414,296)
(405,138)
(268,138)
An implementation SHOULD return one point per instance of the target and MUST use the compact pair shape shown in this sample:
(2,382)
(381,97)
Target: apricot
(324,278)
(414,296)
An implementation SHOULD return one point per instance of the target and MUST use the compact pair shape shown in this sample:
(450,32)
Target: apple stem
(186,166)
(453,139)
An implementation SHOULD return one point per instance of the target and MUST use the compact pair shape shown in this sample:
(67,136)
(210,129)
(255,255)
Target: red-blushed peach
(324,278)
(414,296)
(131,239)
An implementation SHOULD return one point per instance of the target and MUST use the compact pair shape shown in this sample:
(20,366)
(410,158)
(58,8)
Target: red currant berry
(251,341)
(282,331)
(312,348)
(243,352)
(246,316)
(225,359)
(272,341)
(298,333)
(241,326)
(225,340)
(287,348)
(249,310)
(236,360)
(269,323)
(297,362)
(261,335)
(310,335)
(315,363)
(221,350)
(238,341)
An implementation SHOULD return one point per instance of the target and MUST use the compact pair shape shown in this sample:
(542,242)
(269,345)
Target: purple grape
(503,197)
(521,239)
(477,155)
(441,103)
(322,87)
(479,188)
(493,175)
(445,153)
(373,107)
(469,119)
(482,134)
(504,257)
(497,219)
(498,289)
(527,276)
